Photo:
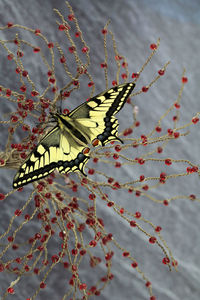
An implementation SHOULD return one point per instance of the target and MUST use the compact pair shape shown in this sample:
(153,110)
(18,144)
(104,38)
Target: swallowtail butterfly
(64,147)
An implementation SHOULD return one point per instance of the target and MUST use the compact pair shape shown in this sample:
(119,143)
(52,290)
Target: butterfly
(65,147)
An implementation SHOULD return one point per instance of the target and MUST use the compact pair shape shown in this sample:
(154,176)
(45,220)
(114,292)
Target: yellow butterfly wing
(95,118)
(57,150)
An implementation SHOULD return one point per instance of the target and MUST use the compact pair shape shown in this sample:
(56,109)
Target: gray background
(136,25)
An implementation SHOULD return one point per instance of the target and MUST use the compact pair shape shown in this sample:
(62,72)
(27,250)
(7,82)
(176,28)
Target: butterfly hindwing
(73,160)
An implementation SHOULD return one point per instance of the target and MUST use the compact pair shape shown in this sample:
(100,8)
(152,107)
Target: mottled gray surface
(136,24)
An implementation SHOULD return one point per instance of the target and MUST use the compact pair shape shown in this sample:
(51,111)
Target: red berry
(158,229)
(153,46)
(135,75)
(184,79)
(104,31)
(195,120)
(42,285)
(2,196)
(134,264)
(133,223)
(165,202)
(71,17)
(138,214)
(50,45)
(177,105)
(37,31)
(9,24)
(145,89)
(36,49)
(165,260)
(161,72)
(152,239)
(168,161)
(62,27)
(85,49)
(62,59)
(10,290)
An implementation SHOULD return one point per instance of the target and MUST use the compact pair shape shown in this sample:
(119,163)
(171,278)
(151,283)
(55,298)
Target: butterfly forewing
(41,161)
(96,117)
(57,150)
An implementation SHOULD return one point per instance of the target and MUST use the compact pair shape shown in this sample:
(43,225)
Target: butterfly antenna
(46,123)
(61,101)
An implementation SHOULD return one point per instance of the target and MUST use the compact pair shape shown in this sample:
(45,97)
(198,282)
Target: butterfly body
(69,125)
(62,148)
